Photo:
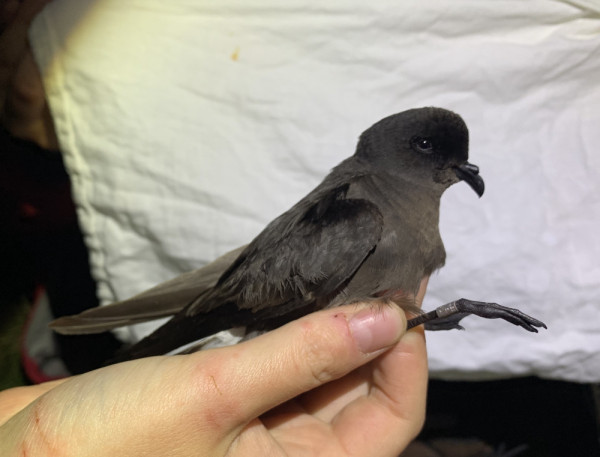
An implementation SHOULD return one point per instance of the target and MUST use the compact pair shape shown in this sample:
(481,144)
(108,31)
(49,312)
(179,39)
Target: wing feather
(310,251)
(165,299)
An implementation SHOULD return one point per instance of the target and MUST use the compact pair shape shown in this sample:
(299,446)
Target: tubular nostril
(472,168)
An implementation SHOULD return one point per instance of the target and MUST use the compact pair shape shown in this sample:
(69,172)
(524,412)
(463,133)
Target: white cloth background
(187,125)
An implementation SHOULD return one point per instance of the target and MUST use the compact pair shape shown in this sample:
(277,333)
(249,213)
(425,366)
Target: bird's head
(426,146)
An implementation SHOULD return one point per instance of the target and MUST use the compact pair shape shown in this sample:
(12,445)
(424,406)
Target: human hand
(24,112)
(340,382)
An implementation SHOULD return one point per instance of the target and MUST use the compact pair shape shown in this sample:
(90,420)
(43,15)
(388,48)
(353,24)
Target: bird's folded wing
(306,254)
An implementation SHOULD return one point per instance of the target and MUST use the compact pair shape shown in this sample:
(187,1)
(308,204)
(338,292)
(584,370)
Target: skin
(348,381)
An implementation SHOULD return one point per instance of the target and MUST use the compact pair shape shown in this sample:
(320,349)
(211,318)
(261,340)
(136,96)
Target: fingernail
(376,328)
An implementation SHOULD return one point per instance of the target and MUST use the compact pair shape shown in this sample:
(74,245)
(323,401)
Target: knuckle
(318,353)
(41,435)
(208,380)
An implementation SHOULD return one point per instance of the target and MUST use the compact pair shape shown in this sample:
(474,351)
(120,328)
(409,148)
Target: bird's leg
(447,317)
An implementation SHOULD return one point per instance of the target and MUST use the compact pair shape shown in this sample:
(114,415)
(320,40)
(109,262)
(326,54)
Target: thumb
(155,405)
(271,369)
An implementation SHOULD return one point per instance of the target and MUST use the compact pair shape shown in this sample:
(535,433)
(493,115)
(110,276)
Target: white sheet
(186,126)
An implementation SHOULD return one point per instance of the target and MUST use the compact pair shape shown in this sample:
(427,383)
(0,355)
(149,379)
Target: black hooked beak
(470,174)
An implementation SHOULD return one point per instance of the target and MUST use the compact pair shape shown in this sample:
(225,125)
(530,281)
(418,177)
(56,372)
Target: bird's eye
(424,145)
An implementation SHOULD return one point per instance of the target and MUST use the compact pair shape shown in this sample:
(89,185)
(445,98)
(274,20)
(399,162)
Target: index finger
(394,411)
(296,358)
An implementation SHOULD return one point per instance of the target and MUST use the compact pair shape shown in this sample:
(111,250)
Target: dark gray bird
(368,232)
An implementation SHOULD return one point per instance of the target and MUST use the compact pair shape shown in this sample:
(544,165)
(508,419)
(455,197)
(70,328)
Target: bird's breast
(410,247)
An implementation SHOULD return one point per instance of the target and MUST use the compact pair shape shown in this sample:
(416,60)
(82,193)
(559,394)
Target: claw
(448,316)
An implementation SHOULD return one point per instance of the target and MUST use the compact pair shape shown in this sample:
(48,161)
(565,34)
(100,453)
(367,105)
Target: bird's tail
(179,331)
